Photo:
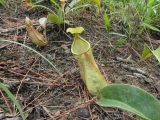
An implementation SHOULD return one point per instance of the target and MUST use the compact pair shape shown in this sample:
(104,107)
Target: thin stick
(24,79)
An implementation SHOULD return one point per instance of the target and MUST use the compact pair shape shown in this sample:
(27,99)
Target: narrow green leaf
(55,19)
(3,3)
(77,7)
(106,21)
(118,34)
(56,4)
(72,4)
(150,3)
(156,53)
(98,2)
(132,99)
(12,97)
(151,27)
(44,7)
(147,52)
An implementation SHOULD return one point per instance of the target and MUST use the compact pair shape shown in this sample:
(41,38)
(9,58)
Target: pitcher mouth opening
(80,46)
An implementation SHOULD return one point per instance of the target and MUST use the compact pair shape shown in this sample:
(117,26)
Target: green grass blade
(156,53)
(12,97)
(151,27)
(44,7)
(3,3)
(72,4)
(55,19)
(118,34)
(56,4)
(77,7)
(106,21)
(147,52)
(29,48)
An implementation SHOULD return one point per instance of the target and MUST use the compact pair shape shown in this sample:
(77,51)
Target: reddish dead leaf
(26,4)
(154,41)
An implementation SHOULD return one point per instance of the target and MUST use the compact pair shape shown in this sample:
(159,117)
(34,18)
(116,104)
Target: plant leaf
(76,7)
(3,2)
(106,21)
(72,4)
(150,3)
(55,19)
(147,52)
(156,53)
(12,97)
(98,2)
(44,7)
(56,4)
(151,27)
(118,34)
(132,99)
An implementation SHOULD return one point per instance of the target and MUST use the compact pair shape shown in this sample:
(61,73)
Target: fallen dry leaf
(36,37)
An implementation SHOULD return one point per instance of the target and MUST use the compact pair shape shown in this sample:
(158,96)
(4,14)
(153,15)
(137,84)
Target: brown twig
(2,31)
(133,69)
(24,78)
(124,60)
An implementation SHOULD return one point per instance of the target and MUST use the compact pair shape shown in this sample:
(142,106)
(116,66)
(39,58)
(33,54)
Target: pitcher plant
(89,70)
(123,96)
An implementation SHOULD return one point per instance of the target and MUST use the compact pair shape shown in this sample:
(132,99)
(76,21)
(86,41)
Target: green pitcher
(89,70)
